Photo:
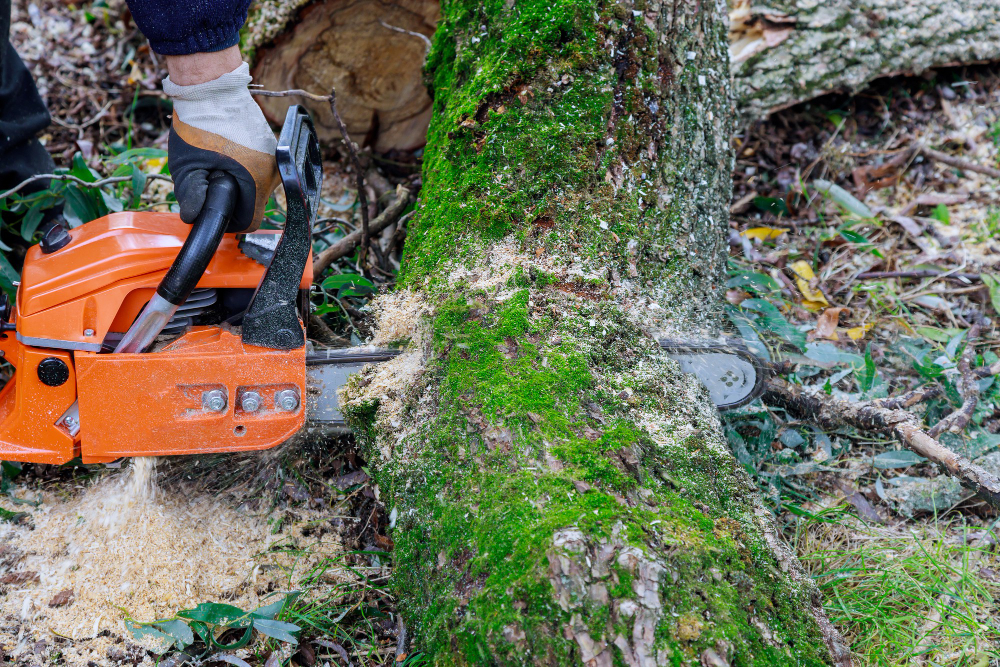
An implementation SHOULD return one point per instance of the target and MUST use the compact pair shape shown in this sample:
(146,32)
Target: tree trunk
(347,44)
(787,51)
(560,492)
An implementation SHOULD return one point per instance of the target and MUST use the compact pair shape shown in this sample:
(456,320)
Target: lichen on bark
(788,51)
(562,493)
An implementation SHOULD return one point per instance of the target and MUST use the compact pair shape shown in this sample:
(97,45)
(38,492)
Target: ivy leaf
(761,283)
(215,613)
(900,459)
(277,629)
(771,318)
(178,630)
(158,642)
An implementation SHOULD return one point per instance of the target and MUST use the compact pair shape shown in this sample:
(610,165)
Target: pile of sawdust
(124,546)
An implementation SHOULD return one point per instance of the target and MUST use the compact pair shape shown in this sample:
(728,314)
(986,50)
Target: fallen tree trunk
(788,51)
(560,492)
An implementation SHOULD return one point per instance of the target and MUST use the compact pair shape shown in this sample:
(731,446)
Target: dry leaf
(804,278)
(826,325)
(763,233)
(935,198)
(857,333)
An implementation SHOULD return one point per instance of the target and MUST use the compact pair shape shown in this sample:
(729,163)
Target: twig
(359,179)
(830,412)
(918,273)
(296,92)
(331,99)
(960,163)
(347,244)
(427,41)
(968,387)
(79,181)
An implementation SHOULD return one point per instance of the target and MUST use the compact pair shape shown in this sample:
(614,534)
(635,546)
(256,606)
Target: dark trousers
(22,115)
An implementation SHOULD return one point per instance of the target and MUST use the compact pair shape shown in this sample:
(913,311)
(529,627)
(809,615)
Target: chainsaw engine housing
(202,386)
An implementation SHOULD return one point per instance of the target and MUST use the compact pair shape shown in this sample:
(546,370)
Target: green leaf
(900,459)
(993,283)
(866,379)
(341,280)
(828,353)
(113,203)
(8,276)
(771,319)
(761,283)
(843,198)
(773,205)
(216,613)
(138,185)
(145,153)
(161,642)
(940,213)
(81,170)
(178,630)
(79,205)
(277,629)
(861,240)
(30,222)
(273,609)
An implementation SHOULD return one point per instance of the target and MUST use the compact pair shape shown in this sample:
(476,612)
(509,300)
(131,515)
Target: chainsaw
(139,335)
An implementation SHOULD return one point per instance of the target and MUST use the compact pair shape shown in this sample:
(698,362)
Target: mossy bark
(560,492)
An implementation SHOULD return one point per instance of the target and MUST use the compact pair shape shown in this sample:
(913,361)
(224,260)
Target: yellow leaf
(763,233)
(857,333)
(812,298)
(156,162)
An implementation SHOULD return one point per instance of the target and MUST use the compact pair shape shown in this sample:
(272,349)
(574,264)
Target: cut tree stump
(338,43)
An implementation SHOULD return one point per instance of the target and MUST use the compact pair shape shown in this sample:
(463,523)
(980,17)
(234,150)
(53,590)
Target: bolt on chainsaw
(139,335)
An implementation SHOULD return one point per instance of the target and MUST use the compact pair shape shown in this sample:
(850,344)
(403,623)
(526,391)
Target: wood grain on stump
(376,71)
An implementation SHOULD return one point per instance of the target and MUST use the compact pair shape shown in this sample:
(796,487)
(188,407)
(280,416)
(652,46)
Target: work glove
(218,127)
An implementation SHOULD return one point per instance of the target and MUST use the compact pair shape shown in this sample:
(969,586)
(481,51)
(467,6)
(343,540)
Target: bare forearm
(198,68)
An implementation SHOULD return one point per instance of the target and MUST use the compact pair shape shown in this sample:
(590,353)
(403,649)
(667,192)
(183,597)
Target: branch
(830,413)
(960,163)
(968,387)
(346,245)
(359,179)
(78,181)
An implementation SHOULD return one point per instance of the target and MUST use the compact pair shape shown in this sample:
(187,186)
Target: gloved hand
(218,126)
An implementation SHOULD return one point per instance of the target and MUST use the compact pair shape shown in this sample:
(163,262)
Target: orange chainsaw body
(68,304)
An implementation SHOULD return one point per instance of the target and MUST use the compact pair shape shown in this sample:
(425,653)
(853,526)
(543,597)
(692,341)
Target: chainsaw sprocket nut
(287,400)
(250,401)
(214,400)
(53,372)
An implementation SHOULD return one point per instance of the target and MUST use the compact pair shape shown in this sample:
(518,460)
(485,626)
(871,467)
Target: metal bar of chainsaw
(326,371)
(733,375)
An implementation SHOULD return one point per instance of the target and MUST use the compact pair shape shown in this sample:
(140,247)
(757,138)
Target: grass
(919,593)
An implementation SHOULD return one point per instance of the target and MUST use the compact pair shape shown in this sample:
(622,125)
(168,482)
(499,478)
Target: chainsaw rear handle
(203,241)
(189,266)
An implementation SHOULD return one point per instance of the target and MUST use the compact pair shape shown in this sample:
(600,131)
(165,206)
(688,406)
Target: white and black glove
(217,126)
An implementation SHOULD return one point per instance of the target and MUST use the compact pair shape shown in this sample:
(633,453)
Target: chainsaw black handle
(204,239)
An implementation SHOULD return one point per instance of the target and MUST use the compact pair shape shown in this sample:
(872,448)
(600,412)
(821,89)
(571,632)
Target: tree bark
(788,51)
(560,492)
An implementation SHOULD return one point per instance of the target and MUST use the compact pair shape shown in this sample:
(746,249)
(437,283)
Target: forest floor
(864,289)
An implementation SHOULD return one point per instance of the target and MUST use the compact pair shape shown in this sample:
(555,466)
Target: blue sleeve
(181,27)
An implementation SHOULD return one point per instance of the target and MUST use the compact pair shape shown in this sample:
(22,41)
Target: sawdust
(122,545)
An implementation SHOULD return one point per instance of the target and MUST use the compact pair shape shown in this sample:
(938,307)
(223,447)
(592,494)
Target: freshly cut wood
(788,51)
(339,43)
